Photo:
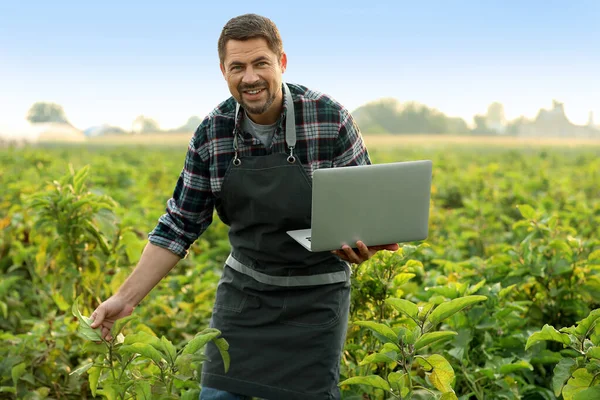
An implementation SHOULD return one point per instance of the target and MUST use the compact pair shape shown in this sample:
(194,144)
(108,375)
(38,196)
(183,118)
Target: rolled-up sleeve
(350,148)
(189,211)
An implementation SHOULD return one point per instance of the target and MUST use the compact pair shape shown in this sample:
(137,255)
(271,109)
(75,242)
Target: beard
(257,108)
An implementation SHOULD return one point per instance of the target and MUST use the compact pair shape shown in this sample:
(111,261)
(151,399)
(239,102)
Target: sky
(110,61)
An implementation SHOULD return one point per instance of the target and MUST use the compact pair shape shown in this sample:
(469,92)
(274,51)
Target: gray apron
(282,309)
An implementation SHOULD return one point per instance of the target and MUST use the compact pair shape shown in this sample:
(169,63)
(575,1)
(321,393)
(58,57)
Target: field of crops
(498,302)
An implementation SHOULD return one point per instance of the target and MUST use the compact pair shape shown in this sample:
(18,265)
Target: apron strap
(289,281)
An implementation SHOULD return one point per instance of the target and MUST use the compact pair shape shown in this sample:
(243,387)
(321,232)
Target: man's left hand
(364,252)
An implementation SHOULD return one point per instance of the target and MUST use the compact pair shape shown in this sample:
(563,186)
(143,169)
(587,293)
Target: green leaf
(474,288)
(60,301)
(506,291)
(200,340)
(168,348)
(441,375)
(547,333)
(451,307)
(381,329)
(449,396)
(223,347)
(133,246)
(94,376)
(17,372)
(586,325)
(516,366)
(527,211)
(591,393)
(402,278)
(404,306)
(92,347)
(6,283)
(79,371)
(79,178)
(580,381)
(120,324)
(145,350)
(431,337)
(84,328)
(594,257)
(143,390)
(379,358)
(397,381)
(593,352)
(8,389)
(369,380)
(143,337)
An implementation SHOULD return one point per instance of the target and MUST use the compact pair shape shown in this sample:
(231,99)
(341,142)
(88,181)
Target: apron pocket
(316,306)
(229,298)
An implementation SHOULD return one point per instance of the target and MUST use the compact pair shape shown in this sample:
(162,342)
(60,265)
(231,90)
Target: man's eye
(235,68)
(261,64)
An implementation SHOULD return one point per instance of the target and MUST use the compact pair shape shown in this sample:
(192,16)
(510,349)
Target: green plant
(142,366)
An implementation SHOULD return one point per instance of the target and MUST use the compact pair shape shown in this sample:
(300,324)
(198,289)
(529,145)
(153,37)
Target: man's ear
(222,69)
(283,62)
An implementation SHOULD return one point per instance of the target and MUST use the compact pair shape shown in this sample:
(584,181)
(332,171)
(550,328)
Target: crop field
(500,302)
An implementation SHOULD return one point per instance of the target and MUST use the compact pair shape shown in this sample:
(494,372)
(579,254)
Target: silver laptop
(378,204)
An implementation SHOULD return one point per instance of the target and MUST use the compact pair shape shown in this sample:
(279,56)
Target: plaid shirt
(326,136)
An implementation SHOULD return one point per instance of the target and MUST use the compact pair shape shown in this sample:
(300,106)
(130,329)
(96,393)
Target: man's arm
(189,213)
(155,263)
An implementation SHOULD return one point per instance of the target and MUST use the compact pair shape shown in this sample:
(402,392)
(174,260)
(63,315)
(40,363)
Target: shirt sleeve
(350,149)
(189,211)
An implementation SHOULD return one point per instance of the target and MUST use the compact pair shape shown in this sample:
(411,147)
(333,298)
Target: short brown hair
(250,26)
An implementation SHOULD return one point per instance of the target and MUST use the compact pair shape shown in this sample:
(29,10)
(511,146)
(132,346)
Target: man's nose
(250,76)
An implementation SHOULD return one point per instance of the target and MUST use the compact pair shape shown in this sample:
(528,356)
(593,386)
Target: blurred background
(79,71)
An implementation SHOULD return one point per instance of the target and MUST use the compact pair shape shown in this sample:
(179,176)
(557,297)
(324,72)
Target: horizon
(108,67)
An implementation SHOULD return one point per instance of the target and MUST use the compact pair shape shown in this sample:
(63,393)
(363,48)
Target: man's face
(253,73)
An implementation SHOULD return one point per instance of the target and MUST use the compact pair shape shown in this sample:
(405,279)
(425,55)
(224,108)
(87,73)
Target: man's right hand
(108,312)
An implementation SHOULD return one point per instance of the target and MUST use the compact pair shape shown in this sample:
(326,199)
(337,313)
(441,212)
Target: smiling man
(282,309)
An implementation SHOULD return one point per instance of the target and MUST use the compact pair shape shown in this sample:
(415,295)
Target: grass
(375,141)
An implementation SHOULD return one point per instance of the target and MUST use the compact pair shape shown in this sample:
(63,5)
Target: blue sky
(110,61)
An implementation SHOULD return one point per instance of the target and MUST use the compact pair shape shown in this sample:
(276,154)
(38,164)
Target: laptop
(378,204)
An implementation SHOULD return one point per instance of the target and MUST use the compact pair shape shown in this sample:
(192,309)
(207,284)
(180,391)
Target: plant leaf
(223,347)
(441,375)
(431,337)
(580,380)
(82,369)
(586,325)
(547,333)
(369,380)
(591,393)
(94,376)
(380,357)
(404,306)
(200,340)
(451,307)
(516,366)
(145,350)
(17,372)
(383,330)
(120,324)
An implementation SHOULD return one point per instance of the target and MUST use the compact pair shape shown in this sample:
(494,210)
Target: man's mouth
(253,92)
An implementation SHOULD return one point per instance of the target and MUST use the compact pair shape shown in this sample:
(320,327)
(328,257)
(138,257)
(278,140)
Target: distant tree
(190,126)
(389,116)
(145,125)
(46,112)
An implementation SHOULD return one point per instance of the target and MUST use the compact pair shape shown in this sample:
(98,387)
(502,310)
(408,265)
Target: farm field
(500,302)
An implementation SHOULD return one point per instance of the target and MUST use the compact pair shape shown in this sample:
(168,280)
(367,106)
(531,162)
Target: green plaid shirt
(327,136)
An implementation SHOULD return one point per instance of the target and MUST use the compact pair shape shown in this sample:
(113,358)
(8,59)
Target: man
(282,309)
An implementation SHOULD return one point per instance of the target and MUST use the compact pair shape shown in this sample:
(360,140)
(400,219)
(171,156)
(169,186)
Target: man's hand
(364,252)
(108,312)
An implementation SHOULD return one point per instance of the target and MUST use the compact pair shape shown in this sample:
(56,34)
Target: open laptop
(377,204)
